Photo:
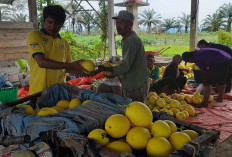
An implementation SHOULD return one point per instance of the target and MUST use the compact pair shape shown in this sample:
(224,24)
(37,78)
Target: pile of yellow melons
(137,132)
(178,105)
(189,66)
(60,106)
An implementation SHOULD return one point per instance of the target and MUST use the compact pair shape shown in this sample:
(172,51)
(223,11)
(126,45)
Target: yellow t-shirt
(57,49)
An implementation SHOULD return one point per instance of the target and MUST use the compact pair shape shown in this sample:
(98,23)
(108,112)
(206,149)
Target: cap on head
(125,15)
(150,56)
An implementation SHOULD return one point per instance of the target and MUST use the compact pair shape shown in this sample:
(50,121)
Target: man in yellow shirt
(50,56)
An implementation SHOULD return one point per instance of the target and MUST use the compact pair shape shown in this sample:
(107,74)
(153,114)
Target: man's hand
(103,68)
(76,68)
(186,70)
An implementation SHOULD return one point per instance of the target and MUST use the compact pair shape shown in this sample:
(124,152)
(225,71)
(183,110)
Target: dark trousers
(229,79)
(181,81)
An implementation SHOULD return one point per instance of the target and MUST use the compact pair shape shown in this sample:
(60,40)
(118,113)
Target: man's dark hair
(203,42)
(150,56)
(55,12)
(187,56)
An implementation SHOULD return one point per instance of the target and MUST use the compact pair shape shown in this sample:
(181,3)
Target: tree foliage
(150,18)
(169,23)
(184,21)
(212,23)
(226,12)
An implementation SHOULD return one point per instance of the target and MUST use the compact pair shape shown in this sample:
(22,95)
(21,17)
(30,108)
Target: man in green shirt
(133,67)
(152,69)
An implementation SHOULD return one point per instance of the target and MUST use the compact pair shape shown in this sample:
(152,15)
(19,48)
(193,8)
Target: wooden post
(111,29)
(194,24)
(33,13)
(134,10)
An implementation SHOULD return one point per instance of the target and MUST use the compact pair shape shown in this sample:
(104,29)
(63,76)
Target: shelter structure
(132,6)
(110,24)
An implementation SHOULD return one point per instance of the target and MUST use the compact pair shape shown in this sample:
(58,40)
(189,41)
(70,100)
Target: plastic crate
(8,94)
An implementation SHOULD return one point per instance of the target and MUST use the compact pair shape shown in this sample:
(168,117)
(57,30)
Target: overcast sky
(174,8)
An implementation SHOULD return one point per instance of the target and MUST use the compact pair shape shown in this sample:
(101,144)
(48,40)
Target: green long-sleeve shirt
(133,67)
(154,72)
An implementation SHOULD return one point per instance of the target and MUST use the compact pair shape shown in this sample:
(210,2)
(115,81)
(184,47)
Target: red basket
(154,53)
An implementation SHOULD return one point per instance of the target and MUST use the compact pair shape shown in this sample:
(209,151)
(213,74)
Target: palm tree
(185,21)
(212,23)
(169,23)
(226,12)
(178,25)
(149,18)
(88,21)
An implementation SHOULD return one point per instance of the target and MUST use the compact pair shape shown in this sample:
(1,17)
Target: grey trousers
(139,94)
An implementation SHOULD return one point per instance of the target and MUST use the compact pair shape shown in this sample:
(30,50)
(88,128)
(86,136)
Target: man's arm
(73,67)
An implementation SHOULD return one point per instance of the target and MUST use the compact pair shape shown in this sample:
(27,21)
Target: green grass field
(178,42)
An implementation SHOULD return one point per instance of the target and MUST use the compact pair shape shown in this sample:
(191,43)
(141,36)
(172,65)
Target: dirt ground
(224,149)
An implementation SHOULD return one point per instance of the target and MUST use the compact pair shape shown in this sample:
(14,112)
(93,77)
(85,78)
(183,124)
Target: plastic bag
(23,66)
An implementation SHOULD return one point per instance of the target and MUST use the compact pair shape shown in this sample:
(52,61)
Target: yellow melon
(88,65)
(74,102)
(160,128)
(99,135)
(158,146)
(117,125)
(139,114)
(178,140)
(138,137)
(119,147)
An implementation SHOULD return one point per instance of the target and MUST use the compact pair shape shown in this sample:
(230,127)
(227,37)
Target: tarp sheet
(217,116)
(81,82)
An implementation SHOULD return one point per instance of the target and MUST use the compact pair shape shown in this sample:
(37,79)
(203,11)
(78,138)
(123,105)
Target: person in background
(176,74)
(152,69)
(214,65)
(133,67)
(204,44)
(50,56)
(166,85)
